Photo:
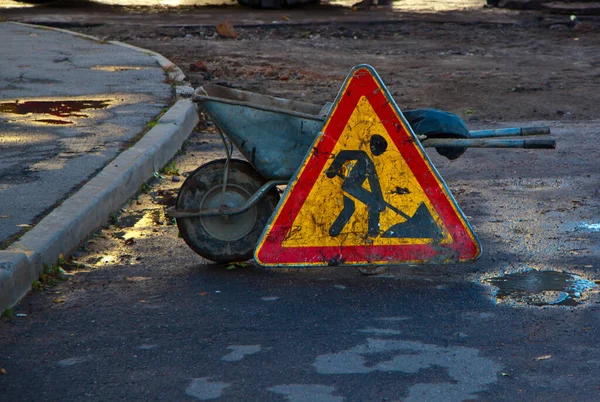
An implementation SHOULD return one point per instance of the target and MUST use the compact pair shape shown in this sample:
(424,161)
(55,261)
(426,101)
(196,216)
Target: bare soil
(523,69)
(484,64)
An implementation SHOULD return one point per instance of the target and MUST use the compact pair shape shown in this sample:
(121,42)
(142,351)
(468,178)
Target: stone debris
(225,29)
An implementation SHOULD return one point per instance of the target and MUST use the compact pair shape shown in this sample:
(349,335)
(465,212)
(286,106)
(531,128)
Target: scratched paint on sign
(366,193)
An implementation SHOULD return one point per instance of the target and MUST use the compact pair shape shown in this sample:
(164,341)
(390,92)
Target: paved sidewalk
(69,105)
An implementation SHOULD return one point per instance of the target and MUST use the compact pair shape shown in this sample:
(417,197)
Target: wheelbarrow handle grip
(539,144)
(543,130)
(486,143)
(510,132)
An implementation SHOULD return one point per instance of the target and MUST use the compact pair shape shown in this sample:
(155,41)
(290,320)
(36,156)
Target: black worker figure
(363,169)
(420,225)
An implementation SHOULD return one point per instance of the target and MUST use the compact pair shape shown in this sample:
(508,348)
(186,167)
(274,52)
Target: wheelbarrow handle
(510,132)
(485,143)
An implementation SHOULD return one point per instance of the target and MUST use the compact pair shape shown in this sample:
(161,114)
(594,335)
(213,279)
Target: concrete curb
(63,230)
(80,35)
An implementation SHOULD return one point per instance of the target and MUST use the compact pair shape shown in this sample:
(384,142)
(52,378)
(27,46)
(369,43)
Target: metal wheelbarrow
(224,205)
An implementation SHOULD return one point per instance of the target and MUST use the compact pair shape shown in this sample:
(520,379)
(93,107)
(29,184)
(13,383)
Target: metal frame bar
(510,132)
(224,211)
(485,143)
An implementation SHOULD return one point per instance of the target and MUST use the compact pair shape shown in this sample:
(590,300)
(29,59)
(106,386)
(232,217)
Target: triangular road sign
(366,193)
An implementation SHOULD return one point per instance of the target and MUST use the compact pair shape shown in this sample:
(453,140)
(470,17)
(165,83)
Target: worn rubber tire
(203,235)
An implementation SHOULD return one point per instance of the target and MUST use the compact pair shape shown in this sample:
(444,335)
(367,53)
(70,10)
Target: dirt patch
(481,71)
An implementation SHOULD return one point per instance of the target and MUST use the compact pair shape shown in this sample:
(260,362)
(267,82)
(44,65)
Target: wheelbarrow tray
(273,134)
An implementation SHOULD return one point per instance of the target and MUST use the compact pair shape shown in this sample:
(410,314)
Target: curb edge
(63,230)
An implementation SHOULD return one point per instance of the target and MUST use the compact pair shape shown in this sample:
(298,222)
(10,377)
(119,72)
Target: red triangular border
(363,81)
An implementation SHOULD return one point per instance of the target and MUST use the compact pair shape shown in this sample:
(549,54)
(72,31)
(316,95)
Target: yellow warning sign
(366,193)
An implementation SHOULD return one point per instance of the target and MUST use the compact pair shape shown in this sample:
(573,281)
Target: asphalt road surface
(197,331)
(144,318)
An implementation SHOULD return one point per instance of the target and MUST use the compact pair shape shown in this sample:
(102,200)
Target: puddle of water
(541,288)
(54,121)
(592,227)
(58,108)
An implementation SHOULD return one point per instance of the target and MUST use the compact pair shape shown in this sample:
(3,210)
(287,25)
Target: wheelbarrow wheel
(229,238)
